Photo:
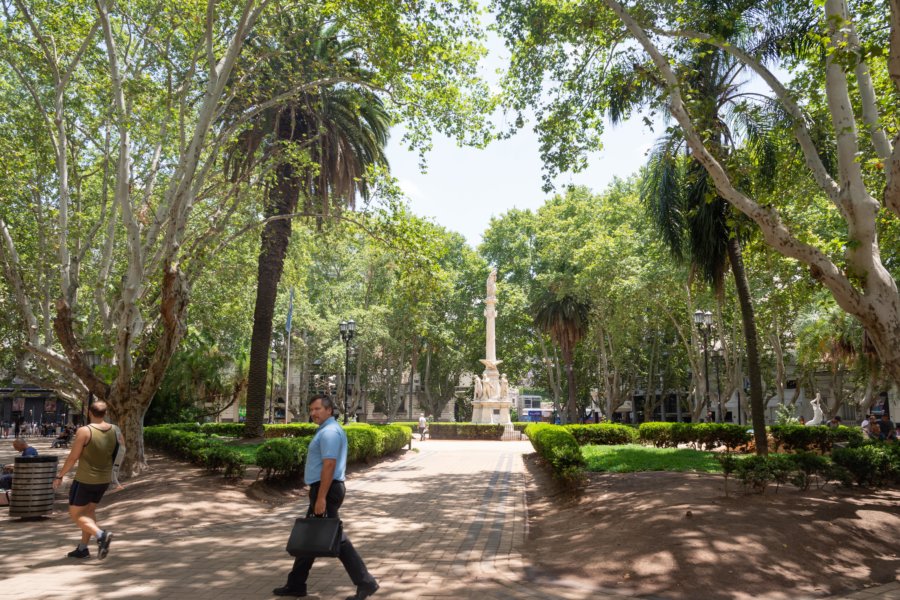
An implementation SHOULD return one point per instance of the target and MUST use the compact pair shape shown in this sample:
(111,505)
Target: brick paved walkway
(446,522)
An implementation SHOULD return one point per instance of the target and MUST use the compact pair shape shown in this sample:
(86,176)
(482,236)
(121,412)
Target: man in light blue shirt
(326,465)
(329,443)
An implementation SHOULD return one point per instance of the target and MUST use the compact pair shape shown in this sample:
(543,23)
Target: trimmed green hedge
(870,464)
(603,434)
(291,430)
(197,448)
(286,456)
(413,425)
(795,438)
(283,457)
(707,435)
(465,431)
(557,446)
(223,429)
(372,441)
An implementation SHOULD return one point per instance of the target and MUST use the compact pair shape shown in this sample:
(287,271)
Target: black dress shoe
(363,592)
(289,591)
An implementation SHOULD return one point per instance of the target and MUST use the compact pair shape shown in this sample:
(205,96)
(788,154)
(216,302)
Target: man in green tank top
(94,450)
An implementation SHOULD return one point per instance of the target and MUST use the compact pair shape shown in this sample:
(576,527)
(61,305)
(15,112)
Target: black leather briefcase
(313,537)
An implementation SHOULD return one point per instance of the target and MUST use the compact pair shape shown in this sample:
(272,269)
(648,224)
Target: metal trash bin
(32,491)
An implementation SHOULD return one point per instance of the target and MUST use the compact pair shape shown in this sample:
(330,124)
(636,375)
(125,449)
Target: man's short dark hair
(326,400)
(98,409)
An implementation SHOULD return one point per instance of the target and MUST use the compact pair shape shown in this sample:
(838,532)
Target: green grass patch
(628,458)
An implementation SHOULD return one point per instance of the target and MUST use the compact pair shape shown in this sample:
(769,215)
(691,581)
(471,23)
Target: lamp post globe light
(348,330)
(703,320)
(272,356)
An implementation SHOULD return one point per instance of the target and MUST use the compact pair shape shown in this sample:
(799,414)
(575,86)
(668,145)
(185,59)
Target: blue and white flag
(290,312)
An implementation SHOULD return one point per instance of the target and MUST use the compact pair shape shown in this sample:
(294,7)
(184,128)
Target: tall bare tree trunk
(757,408)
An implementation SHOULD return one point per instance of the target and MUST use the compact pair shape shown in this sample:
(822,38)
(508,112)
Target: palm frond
(661,193)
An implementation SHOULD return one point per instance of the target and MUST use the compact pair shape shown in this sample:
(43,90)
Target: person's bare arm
(82,437)
(327,476)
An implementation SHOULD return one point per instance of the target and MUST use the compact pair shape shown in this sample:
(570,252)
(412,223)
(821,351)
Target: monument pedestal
(495,410)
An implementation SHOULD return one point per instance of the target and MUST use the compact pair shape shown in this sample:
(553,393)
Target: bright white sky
(464,187)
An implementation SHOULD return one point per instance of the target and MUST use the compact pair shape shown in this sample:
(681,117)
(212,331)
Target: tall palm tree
(565,319)
(324,141)
(694,221)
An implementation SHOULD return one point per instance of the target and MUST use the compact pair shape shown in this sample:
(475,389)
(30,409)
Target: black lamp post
(717,359)
(703,321)
(272,356)
(347,329)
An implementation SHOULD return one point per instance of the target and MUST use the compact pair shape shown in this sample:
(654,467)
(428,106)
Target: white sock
(100,535)
(82,546)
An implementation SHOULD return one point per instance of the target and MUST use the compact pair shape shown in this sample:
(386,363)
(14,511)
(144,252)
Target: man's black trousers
(352,561)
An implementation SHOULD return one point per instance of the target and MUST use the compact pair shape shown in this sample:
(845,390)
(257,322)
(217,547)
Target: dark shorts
(82,494)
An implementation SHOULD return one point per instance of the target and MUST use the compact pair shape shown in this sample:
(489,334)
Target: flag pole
(287,361)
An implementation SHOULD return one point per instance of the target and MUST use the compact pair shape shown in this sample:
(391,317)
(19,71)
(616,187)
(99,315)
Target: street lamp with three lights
(348,330)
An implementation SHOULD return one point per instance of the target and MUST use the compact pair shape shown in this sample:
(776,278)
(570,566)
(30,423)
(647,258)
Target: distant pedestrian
(326,463)
(835,421)
(866,425)
(887,431)
(94,449)
(423,426)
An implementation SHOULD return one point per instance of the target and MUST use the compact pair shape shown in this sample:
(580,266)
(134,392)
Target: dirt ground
(678,536)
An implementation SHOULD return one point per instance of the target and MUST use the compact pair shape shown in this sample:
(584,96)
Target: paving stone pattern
(446,522)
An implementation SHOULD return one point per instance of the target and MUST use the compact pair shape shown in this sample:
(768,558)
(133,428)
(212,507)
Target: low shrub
(282,457)
(809,467)
(873,464)
(729,465)
(192,427)
(362,443)
(657,433)
(291,430)
(195,447)
(413,425)
(279,456)
(465,431)
(796,438)
(755,472)
(603,434)
(396,436)
(223,429)
(706,435)
(366,442)
(558,446)
(218,457)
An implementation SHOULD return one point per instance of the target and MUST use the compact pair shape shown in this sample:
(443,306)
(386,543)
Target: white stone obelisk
(491,408)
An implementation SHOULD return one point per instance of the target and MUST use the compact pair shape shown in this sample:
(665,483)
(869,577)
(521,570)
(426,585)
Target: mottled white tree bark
(865,289)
